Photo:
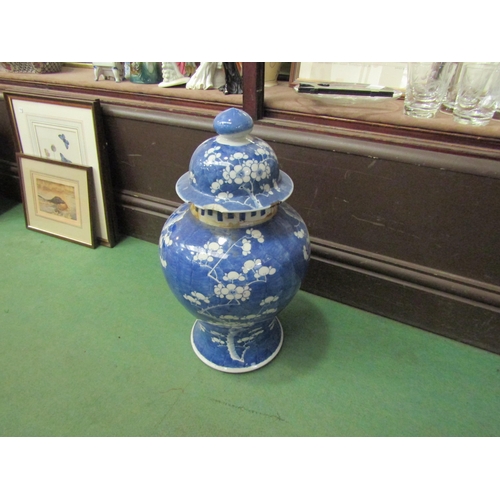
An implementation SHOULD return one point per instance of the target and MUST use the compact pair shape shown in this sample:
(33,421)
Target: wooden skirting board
(447,305)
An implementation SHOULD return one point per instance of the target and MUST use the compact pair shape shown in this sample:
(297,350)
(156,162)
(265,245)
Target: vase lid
(234,171)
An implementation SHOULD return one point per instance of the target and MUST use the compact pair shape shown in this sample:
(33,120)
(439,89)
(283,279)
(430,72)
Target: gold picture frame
(58,198)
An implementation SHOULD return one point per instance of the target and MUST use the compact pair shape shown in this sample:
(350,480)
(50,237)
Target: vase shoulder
(241,273)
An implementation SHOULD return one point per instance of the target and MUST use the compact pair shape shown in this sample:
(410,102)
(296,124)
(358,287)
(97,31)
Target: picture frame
(384,74)
(70,131)
(58,198)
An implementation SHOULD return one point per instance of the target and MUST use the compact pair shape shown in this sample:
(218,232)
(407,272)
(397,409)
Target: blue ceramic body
(234,171)
(235,280)
(235,253)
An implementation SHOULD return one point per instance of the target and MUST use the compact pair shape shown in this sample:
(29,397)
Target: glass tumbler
(478,93)
(426,87)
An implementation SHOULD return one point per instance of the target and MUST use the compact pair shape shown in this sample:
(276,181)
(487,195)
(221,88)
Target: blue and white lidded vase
(235,254)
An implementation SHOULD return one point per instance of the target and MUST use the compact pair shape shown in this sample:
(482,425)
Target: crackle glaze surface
(235,280)
(234,172)
(235,253)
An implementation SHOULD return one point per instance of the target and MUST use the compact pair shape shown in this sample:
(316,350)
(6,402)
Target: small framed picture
(58,198)
(71,132)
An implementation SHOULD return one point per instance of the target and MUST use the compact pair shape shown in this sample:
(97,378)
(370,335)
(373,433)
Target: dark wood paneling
(7,148)
(140,223)
(9,181)
(148,158)
(460,319)
(427,216)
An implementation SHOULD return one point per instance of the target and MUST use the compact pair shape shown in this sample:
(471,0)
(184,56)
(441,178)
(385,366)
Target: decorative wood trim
(409,137)
(161,117)
(149,204)
(484,165)
(486,295)
(441,313)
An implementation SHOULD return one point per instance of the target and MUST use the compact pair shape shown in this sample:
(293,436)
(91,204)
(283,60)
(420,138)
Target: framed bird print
(70,132)
(58,198)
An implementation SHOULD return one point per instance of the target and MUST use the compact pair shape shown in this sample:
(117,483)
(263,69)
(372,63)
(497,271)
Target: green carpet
(93,343)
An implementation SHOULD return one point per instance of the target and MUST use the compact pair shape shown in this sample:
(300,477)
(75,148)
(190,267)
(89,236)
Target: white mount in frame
(67,131)
(57,198)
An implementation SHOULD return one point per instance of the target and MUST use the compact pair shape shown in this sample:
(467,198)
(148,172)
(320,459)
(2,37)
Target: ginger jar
(235,253)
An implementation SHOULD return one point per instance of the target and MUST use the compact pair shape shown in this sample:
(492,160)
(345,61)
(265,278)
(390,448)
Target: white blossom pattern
(269,300)
(196,298)
(241,171)
(231,286)
(234,285)
(246,247)
(223,196)
(255,233)
(165,238)
(232,292)
(211,251)
(234,281)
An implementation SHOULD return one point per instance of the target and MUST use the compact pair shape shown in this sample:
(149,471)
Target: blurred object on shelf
(32,67)
(271,73)
(208,75)
(172,74)
(347,90)
(234,80)
(109,70)
(385,74)
(187,68)
(145,72)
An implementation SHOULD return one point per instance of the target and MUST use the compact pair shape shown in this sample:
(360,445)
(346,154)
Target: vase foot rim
(244,369)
